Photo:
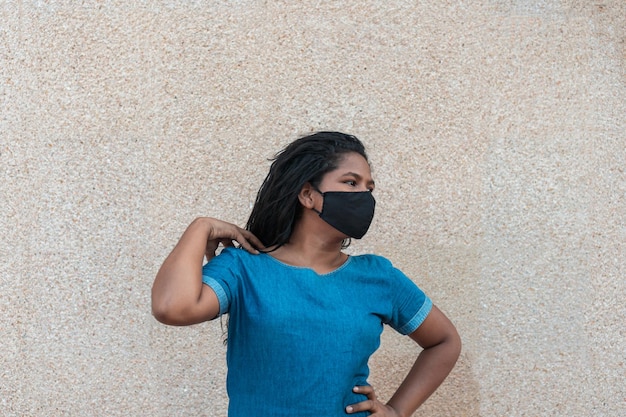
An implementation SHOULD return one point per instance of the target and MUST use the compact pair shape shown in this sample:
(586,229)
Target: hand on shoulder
(219,231)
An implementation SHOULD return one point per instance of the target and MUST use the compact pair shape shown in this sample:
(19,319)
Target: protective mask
(349,212)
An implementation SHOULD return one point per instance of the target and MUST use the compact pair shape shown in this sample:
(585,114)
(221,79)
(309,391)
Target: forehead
(353,162)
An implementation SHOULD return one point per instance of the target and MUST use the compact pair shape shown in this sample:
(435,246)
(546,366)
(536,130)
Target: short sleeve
(221,274)
(410,305)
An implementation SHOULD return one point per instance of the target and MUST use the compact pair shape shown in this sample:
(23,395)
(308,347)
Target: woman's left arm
(442,346)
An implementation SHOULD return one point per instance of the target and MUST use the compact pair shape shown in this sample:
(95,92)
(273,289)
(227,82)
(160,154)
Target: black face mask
(349,212)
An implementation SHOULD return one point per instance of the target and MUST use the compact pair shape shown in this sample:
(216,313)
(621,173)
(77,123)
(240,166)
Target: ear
(307,196)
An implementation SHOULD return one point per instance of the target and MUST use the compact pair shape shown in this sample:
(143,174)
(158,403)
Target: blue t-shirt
(298,341)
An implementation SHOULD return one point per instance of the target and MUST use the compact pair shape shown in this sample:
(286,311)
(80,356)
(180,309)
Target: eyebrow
(354,174)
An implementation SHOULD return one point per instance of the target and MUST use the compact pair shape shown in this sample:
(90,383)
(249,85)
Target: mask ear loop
(317,189)
(322,194)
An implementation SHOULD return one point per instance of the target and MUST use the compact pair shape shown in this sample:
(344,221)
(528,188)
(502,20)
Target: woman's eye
(351,183)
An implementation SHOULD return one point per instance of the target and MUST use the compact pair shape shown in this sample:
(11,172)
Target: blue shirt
(298,341)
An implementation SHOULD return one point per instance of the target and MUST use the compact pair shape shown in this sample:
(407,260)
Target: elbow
(162,310)
(160,316)
(457,343)
(165,316)
(454,346)
(450,345)
(174,314)
(452,341)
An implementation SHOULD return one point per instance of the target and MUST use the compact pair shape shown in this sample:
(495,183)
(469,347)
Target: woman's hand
(375,407)
(227,233)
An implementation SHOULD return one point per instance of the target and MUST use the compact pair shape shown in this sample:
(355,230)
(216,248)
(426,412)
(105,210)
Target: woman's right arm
(178,295)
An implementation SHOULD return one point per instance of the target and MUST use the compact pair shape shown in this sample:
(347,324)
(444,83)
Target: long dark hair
(277,208)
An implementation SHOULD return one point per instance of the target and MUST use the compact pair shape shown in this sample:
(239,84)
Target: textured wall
(497,135)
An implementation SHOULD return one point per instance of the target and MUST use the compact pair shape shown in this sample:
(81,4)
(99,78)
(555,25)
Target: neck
(310,247)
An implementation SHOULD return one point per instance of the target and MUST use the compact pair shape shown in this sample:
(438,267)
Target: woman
(304,317)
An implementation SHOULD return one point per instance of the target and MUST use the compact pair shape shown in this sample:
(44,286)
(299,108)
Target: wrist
(202,223)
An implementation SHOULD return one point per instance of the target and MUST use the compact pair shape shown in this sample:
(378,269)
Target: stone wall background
(496,131)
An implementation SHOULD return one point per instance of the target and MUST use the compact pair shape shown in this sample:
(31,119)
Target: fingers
(366,390)
(254,240)
(375,407)
(228,233)
(362,406)
(368,405)
(248,241)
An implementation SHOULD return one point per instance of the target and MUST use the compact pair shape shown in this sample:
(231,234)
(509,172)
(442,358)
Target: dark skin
(180,298)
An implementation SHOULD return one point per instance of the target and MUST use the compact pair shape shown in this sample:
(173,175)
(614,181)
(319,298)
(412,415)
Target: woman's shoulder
(371,260)
(231,256)
(236,260)
(236,254)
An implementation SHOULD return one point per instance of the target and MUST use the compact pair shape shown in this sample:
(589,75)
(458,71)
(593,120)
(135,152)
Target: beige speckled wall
(497,134)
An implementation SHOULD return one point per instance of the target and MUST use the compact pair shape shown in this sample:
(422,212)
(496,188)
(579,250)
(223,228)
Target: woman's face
(352,174)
